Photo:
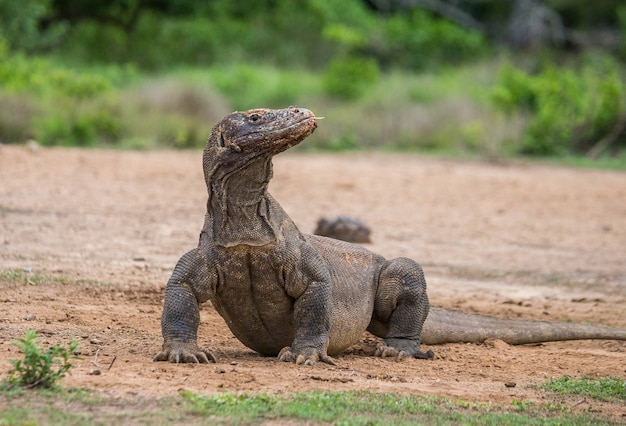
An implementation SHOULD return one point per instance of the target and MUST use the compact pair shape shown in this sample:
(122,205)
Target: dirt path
(102,230)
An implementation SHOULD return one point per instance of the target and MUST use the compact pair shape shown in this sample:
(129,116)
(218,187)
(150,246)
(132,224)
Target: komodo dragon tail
(450,326)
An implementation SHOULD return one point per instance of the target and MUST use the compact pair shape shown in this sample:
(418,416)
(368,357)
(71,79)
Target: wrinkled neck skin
(239,208)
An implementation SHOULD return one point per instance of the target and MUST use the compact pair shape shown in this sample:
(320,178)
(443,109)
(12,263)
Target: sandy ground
(523,241)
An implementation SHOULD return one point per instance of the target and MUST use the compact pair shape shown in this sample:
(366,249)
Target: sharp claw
(282,355)
(328,360)
(385,351)
(184,353)
(287,356)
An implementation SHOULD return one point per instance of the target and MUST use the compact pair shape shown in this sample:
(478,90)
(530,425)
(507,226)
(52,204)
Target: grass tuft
(32,278)
(603,389)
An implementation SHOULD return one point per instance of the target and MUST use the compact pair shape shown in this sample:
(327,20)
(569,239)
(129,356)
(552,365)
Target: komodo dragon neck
(237,163)
(239,209)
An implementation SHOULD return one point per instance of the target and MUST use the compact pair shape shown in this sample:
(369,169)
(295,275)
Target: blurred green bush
(21,25)
(161,73)
(350,77)
(415,40)
(569,109)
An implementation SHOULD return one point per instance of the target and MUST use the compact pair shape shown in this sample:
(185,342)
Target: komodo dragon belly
(252,299)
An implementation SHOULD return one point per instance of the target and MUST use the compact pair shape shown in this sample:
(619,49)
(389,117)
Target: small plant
(522,405)
(40,367)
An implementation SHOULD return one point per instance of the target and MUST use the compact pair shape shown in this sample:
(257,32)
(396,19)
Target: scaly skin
(304,297)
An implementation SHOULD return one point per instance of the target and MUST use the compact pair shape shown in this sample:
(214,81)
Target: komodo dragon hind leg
(400,309)
(188,286)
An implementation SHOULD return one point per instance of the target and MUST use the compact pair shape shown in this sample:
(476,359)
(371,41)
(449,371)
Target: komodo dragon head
(244,136)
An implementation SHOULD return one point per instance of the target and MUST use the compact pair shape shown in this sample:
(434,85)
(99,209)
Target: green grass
(25,277)
(603,389)
(78,407)
(615,162)
(368,408)
(33,278)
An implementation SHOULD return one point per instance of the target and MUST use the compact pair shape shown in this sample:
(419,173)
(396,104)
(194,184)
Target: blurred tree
(125,13)
(20,25)
(525,23)
(532,24)
(406,33)
(451,10)
(120,13)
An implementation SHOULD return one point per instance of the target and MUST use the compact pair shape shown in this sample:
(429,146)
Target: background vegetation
(484,77)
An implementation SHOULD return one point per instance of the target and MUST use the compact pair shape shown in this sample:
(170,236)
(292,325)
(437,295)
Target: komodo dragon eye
(255,117)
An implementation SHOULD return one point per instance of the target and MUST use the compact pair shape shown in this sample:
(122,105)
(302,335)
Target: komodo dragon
(305,297)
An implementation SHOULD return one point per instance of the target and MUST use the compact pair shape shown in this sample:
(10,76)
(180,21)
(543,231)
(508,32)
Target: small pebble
(94,372)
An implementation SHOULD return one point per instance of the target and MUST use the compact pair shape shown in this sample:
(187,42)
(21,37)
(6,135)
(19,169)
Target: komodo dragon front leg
(310,285)
(191,283)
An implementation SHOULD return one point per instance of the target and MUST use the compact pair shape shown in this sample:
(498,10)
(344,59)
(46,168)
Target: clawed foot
(307,356)
(184,352)
(401,349)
